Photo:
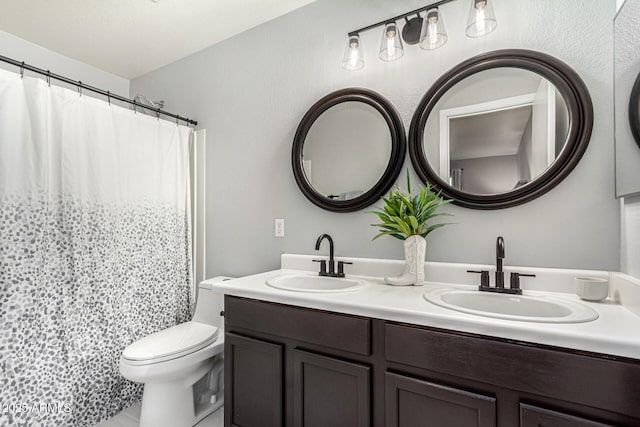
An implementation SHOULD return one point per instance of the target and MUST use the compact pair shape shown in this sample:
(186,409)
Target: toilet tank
(210,303)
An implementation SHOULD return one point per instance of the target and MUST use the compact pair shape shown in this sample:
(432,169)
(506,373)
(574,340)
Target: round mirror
(501,129)
(348,150)
(634,110)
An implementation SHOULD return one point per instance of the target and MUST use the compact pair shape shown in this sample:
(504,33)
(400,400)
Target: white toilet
(182,366)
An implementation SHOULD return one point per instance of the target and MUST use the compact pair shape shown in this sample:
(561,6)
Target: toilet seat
(170,343)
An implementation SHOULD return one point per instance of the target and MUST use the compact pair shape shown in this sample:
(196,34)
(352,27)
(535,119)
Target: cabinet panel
(590,381)
(329,392)
(532,416)
(410,402)
(253,382)
(339,331)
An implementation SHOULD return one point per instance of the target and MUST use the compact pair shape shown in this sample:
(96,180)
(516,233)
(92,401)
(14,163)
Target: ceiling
(130,38)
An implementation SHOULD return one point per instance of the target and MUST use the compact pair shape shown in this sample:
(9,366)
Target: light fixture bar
(404,15)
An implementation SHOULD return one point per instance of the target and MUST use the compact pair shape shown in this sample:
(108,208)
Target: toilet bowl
(181,367)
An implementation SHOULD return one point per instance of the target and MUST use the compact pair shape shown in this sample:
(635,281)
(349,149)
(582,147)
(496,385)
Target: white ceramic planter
(415,250)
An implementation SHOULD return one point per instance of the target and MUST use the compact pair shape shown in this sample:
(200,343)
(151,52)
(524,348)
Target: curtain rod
(49,75)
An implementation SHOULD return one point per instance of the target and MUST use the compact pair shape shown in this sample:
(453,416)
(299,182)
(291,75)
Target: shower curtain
(94,248)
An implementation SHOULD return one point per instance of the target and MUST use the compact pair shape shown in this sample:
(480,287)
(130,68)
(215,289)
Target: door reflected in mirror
(346,150)
(496,131)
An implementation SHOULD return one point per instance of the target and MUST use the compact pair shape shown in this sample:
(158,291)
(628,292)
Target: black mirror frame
(566,81)
(398,149)
(634,110)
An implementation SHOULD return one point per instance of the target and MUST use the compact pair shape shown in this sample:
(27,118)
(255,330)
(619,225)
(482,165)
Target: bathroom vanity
(316,359)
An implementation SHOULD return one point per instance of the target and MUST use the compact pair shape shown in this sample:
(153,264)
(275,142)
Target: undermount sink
(538,308)
(315,283)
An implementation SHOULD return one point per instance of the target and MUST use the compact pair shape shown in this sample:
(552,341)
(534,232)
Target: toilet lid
(177,340)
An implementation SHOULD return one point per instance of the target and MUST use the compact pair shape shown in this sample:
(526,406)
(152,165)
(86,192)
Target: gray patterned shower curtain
(94,249)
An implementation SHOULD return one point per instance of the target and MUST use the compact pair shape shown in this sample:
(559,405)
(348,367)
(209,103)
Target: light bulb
(391,44)
(480,28)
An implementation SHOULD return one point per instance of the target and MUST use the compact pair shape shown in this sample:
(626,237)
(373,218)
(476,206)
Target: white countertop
(615,332)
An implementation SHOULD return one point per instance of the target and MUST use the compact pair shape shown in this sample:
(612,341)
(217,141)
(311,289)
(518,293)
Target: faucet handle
(484,277)
(323,266)
(514,279)
(341,267)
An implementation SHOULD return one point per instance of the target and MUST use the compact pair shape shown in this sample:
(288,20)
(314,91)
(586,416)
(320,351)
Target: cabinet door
(253,382)
(410,402)
(532,416)
(330,392)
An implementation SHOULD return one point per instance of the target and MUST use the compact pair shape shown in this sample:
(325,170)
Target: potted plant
(407,217)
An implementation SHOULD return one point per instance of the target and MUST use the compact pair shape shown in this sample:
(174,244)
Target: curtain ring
(49,77)
(79,88)
(135,109)
(109,97)
(22,70)
(177,117)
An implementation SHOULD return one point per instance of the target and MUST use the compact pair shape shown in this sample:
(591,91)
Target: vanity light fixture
(428,31)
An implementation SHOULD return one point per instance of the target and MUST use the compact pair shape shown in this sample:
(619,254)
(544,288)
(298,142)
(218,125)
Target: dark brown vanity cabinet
(294,367)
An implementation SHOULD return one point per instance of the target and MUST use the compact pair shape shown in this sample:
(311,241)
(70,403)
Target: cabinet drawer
(328,329)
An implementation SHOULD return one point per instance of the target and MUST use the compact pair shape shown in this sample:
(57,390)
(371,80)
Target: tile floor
(130,417)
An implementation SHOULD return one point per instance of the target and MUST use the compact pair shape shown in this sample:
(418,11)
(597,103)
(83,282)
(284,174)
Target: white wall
(251,91)
(33,54)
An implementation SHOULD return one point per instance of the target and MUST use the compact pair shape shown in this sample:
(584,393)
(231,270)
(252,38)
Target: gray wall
(33,54)
(250,92)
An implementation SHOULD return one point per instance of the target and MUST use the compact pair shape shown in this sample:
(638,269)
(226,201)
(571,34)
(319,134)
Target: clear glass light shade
(433,34)
(482,19)
(391,45)
(353,58)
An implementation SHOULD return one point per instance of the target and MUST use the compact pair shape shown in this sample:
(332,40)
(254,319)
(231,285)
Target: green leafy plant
(404,215)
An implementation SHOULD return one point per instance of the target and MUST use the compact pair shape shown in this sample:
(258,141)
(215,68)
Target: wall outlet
(279,227)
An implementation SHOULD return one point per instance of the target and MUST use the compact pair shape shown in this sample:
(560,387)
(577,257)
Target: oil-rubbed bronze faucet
(514,287)
(323,263)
